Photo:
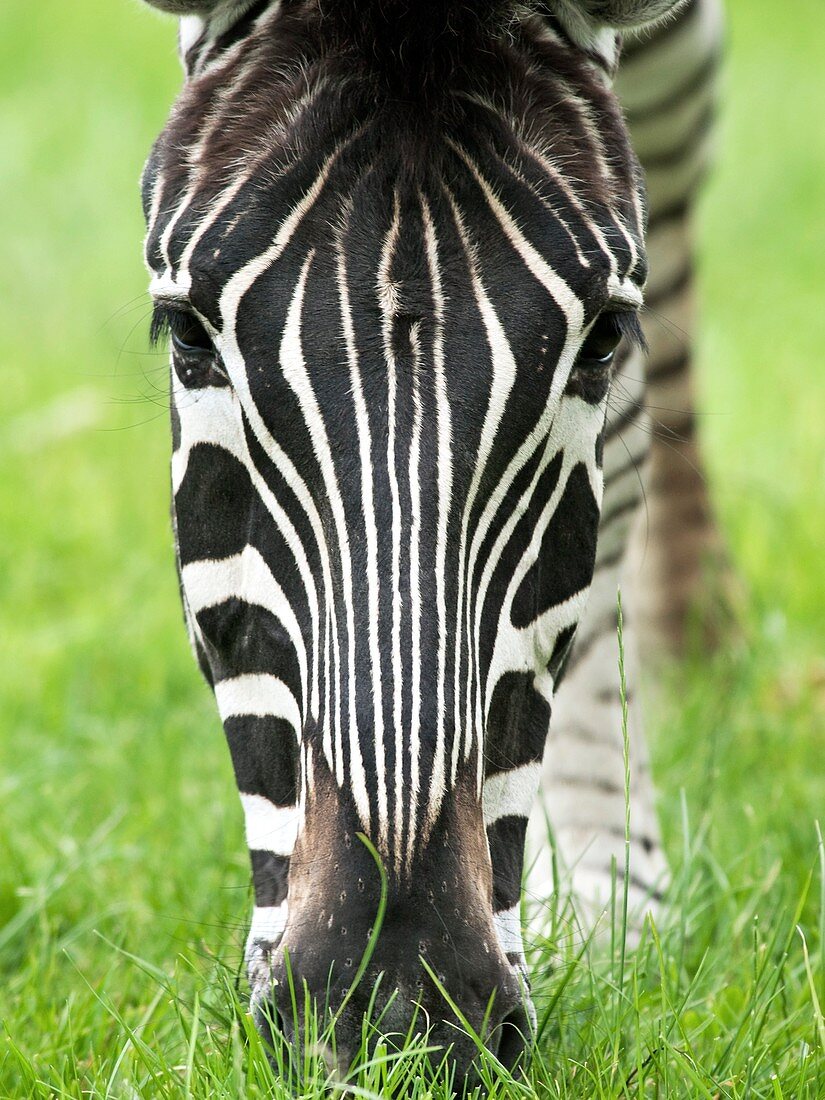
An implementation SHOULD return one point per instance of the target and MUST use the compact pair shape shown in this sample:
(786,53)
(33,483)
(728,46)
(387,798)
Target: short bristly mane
(414,44)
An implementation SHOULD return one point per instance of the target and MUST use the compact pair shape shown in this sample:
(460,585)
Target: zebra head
(395,253)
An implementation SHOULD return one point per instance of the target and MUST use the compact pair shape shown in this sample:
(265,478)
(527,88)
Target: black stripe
(584,644)
(679,430)
(264,754)
(517,725)
(506,840)
(615,557)
(669,368)
(647,843)
(633,463)
(270,874)
(686,145)
(675,97)
(618,511)
(655,38)
(588,783)
(241,27)
(675,211)
(676,284)
(639,883)
(587,737)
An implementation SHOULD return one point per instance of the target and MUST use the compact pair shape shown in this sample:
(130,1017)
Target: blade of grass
(369,950)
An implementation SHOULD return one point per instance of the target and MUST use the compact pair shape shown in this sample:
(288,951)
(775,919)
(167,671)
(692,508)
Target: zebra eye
(195,358)
(600,344)
(189,337)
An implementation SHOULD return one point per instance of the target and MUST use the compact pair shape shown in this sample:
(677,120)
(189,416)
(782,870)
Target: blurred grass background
(118,818)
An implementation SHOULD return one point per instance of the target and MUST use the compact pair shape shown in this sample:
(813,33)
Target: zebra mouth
(510,1041)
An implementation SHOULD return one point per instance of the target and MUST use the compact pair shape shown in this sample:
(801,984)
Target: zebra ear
(628,13)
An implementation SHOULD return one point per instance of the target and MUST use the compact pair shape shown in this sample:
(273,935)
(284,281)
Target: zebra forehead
(484,221)
(534,125)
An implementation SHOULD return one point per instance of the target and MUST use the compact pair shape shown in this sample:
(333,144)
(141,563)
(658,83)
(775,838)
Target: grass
(123,879)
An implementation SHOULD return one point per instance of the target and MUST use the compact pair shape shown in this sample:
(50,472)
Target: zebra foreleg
(668,84)
(686,587)
(582,797)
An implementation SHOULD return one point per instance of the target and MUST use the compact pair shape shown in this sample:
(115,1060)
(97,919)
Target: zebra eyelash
(164,317)
(630,327)
(160,327)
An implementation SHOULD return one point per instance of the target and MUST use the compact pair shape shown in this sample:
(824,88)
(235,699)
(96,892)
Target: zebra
(399,252)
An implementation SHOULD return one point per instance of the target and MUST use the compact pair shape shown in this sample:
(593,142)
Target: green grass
(123,878)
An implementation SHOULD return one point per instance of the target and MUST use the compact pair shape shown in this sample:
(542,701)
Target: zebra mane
(421,43)
(420,39)
(437,21)
(436,18)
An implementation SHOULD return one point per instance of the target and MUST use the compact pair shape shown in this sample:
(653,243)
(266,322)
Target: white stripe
(625,289)
(507,924)
(257,696)
(516,649)
(268,925)
(295,373)
(445,489)
(213,122)
(231,298)
(415,592)
(493,559)
(335,754)
(269,828)
(675,58)
(510,794)
(208,416)
(154,210)
(246,577)
(230,11)
(387,303)
(573,310)
(190,30)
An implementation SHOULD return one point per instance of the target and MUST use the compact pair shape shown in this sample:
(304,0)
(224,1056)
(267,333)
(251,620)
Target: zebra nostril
(270,1023)
(510,1040)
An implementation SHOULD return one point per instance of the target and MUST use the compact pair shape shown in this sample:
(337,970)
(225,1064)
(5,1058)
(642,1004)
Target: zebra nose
(351,1021)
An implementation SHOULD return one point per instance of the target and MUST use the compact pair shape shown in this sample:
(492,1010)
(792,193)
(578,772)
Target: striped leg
(582,797)
(668,86)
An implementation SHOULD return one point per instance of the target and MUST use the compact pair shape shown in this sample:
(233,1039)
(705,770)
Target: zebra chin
(390,1016)
(385,957)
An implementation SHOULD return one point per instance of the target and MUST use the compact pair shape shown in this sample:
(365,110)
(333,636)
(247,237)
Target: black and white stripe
(387,491)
